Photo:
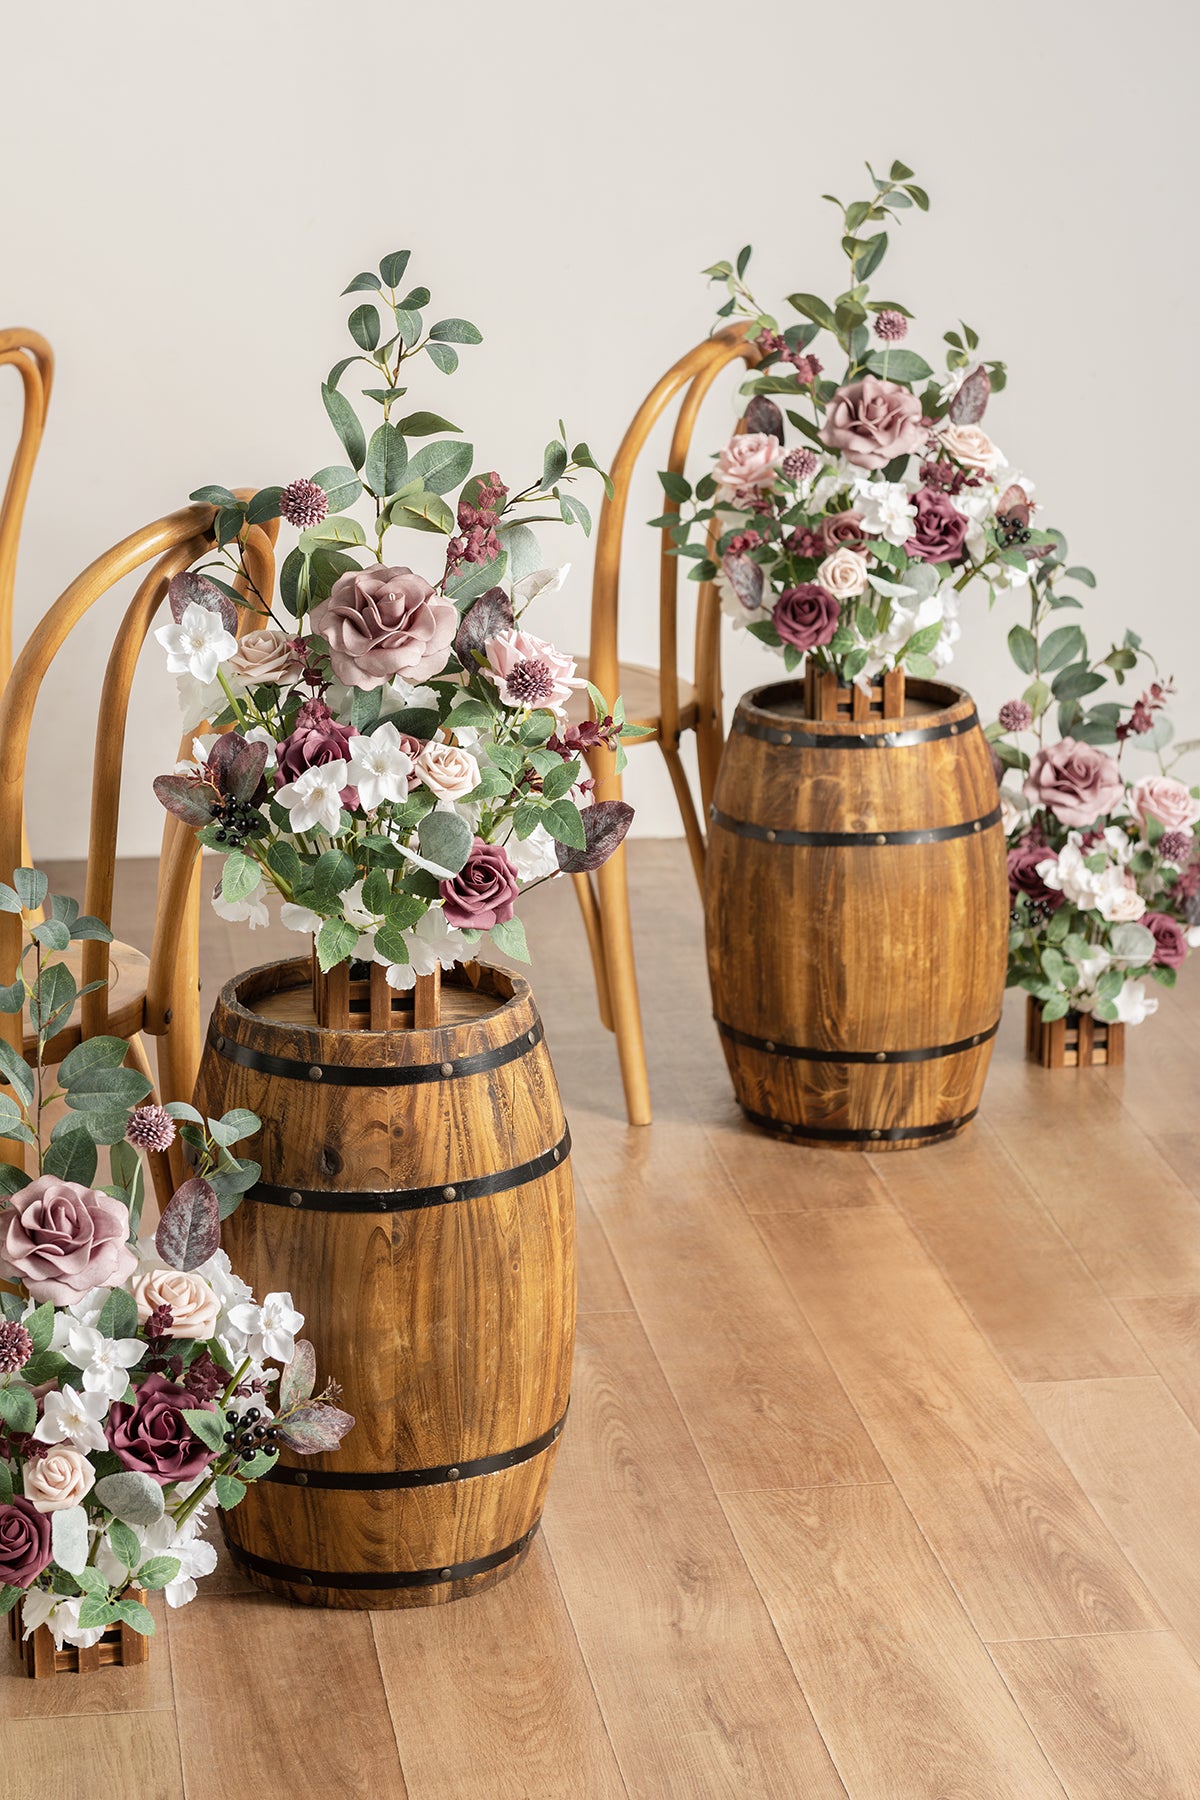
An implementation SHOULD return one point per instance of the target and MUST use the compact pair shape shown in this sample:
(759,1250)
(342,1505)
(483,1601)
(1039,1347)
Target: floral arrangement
(400,766)
(135,1391)
(855,546)
(1103,866)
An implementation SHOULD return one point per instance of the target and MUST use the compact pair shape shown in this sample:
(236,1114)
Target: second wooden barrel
(857,917)
(416,1200)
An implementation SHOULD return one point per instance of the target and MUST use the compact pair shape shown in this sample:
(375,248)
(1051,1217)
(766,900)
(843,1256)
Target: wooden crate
(345,1001)
(120,1645)
(1076,1041)
(824,698)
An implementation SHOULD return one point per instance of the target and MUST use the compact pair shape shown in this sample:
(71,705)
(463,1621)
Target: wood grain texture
(1008,1262)
(448,1325)
(901,1688)
(697,1694)
(1169,1332)
(1119,1717)
(501,1685)
(141,1687)
(901,947)
(106,1757)
(1024,1550)
(313,1721)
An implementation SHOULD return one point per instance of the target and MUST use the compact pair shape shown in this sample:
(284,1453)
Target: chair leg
(710,747)
(159,1160)
(180,1045)
(613,897)
(589,906)
(692,828)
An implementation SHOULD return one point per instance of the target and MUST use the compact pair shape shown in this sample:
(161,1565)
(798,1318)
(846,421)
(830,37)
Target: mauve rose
(24,1542)
(805,616)
(1076,781)
(384,622)
(872,421)
(1164,798)
(1170,939)
(939,530)
(843,530)
(316,738)
(267,656)
(152,1437)
(749,462)
(1023,877)
(62,1240)
(484,891)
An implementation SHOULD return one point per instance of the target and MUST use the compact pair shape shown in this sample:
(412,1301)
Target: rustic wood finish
(857,903)
(1076,1041)
(449,1321)
(119,1646)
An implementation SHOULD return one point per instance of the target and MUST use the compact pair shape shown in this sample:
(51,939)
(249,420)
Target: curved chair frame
(604,897)
(170,1010)
(29,353)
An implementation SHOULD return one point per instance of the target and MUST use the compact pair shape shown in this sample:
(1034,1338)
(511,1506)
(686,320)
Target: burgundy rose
(1077,782)
(384,622)
(316,738)
(843,529)
(24,1542)
(152,1436)
(1023,877)
(62,1240)
(484,891)
(805,616)
(1170,939)
(939,531)
(872,421)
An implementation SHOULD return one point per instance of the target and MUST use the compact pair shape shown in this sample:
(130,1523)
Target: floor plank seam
(586,1665)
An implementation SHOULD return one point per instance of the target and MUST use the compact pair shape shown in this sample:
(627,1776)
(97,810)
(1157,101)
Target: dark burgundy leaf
(604,825)
(300,1377)
(237,767)
(189,797)
(492,612)
(314,1428)
(1014,502)
(970,403)
(190,1228)
(192,589)
(763,415)
(745,576)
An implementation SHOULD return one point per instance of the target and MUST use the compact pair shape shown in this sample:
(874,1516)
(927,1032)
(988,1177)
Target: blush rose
(379,623)
(1164,798)
(872,421)
(62,1240)
(59,1479)
(1077,782)
(749,462)
(194,1306)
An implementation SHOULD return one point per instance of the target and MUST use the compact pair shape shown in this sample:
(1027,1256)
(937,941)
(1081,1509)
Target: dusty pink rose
(59,1479)
(1163,798)
(384,622)
(844,529)
(24,1542)
(872,421)
(1076,781)
(805,616)
(748,463)
(1170,939)
(484,891)
(1023,877)
(939,529)
(152,1436)
(267,656)
(62,1240)
(530,672)
(447,771)
(316,738)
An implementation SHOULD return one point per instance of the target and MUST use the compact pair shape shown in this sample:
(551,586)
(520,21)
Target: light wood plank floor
(882,1480)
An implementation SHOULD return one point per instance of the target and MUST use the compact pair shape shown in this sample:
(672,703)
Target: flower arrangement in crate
(850,551)
(400,766)
(1103,863)
(136,1391)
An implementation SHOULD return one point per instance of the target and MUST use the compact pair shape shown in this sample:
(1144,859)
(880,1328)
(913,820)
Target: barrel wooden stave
(457,1344)
(867,947)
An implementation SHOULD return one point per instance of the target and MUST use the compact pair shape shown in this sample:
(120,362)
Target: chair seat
(640,692)
(128,980)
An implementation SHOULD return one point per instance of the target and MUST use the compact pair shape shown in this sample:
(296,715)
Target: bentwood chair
(156,994)
(31,356)
(655,698)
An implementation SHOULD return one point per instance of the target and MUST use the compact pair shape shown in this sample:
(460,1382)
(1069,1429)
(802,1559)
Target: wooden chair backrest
(170,545)
(29,353)
(696,371)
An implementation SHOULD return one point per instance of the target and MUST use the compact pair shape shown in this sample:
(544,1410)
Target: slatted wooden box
(120,1645)
(1076,1041)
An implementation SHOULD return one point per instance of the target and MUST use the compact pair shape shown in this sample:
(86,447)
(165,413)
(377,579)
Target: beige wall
(186,189)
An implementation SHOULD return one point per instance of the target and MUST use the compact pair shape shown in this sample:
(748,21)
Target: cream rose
(266,656)
(1120,903)
(447,771)
(1164,798)
(194,1306)
(59,1479)
(970,446)
(749,462)
(844,574)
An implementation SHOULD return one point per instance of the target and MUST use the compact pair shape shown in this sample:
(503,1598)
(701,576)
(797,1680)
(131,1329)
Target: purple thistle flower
(798,465)
(150,1128)
(1176,847)
(303,503)
(1016,715)
(890,327)
(16,1347)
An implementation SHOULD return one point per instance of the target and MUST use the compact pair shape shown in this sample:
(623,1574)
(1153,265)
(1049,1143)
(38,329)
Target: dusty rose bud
(1016,715)
(798,465)
(807,367)
(890,327)
(16,1347)
(150,1128)
(303,503)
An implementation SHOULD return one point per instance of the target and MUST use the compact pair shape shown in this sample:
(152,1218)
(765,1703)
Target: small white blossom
(884,508)
(533,857)
(432,944)
(379,767)
(73,1418)
(271,1328)
(105,1361)
(251,908)
(198,644)
(315,798)
(1135,1003)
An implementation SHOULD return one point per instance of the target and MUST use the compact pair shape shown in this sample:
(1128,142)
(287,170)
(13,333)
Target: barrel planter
(416,1200)
(857,916)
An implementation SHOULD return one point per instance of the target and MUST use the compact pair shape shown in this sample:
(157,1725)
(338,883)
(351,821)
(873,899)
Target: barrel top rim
(954,704)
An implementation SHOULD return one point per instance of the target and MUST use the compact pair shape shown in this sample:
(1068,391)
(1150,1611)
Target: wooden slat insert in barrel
(425,1227)
(857,914)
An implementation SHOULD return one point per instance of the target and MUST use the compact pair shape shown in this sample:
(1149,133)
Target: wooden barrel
(416,1201)
(857,916)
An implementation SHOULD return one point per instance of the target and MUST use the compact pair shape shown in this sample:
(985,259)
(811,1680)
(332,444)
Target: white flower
(541,581)
(836,478)
(1069,875)
(252,907)
(231,1291)
(196,1557)
(1120,845)
(533,857)
(299,918)
(1011,813)
(1135,1003)
(62,1616)
(199,700)
(270,1328)
(432,944)
(1193,937)
(105,1361)
(198,644)
(315,798)
(1091,962)
(379,767)
(397,695)
(86,1311)
(1119,903)
(73,1418)
(884,509)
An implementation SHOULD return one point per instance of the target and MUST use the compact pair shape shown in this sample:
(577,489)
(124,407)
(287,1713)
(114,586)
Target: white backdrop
(187,190)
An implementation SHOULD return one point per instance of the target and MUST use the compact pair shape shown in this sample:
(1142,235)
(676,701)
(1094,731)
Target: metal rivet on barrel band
(881,1056)
(770,837)
(769,1047)
(447,1068)
(295,1198)
(979,824)
(954,731)
(557,1154)
(381,1205)
(447,1193)
(301,1478)
(220,1043)
(531,1037)
(446,1574)
(315,1072)
(785,737)
(306,1580)
(881,837)
(451,1474)
(876,1133)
